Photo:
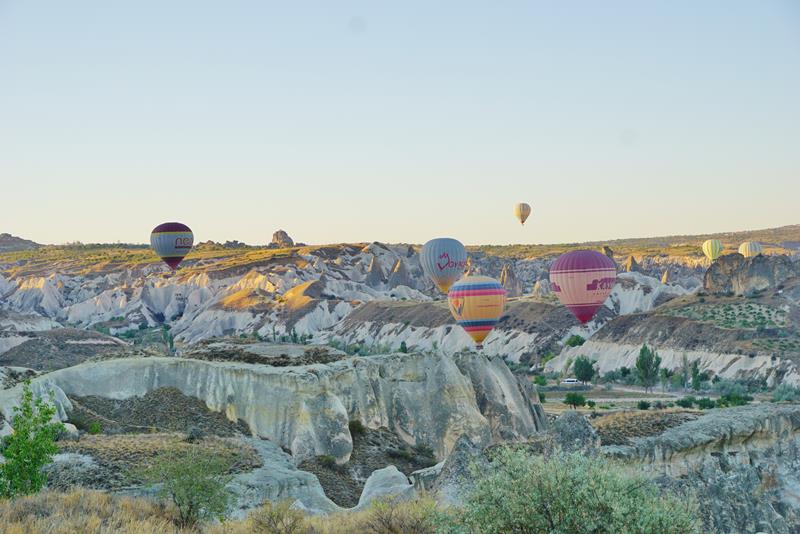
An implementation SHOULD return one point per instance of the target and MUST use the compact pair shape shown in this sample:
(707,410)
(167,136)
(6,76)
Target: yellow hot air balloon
(477,302)
(522,211)
(712,249)
(750,249)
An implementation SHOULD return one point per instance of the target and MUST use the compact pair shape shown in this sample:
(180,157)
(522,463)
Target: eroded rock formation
(733,274)
(424,398)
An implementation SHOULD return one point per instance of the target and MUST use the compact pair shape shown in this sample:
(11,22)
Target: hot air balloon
(583,279)
(522,211)
(477,302)
(172,241)
(444,260)
(750,249)
(712,249)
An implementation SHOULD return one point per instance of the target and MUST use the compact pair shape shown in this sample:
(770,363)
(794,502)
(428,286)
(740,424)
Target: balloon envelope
(712,249)
(522,211)
(172,241)
(583,279)
(477,302)
(444,260)
(749,249)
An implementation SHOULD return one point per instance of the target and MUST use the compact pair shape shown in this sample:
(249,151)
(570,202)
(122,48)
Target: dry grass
(94,512)
(85,512)
(384,517)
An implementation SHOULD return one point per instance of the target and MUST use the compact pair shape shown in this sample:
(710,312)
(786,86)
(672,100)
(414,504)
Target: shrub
(277,518)
(542,397)
(95,428)
(356,427)
(540,380)
(30,447)
(686,402)
(326,460)
(403,346)
(785,392)
(705,403)
(575,341)
(574,399)
(194,480)
(570,494)
(643,405)
(591,404)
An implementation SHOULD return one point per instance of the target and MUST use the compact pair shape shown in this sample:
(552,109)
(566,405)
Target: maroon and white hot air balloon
(583,279)
(172,241)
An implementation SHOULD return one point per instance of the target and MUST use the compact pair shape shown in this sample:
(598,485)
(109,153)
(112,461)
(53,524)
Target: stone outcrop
(509,280)
(399,275)
(281,239)
(423,398)
(385,483)
(733,274)
(10,243)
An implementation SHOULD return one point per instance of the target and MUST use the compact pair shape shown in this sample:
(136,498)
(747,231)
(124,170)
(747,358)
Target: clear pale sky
(359,121)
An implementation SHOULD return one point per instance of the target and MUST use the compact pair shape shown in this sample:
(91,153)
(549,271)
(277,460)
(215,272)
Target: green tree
(584,369)
(696,379)
(647,365)
(574,399)
(665,376)
(403,347)
(570,494)
(30,447)
(195,480)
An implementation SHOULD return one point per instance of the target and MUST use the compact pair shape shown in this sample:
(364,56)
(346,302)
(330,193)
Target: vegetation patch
(617,428)
(733,315)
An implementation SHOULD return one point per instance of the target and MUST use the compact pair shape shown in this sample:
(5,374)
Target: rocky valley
(334,376)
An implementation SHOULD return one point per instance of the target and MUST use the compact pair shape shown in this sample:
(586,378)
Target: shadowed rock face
(423,398)
(399,275)
(733,274)
(510,282)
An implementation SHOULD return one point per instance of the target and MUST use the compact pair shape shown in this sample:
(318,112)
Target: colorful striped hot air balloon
(712,248)
(172,241)
(477,302)
(583,279)
(444,260)
(522,211)
(750,249)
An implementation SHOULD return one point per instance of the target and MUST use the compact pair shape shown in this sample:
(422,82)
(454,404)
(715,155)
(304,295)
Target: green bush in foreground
(569,494)
(30,447)
(194,480)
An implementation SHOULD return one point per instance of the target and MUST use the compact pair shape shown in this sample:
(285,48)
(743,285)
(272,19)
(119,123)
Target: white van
(570,381)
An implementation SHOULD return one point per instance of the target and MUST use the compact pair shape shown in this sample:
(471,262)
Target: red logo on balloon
(448,263)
